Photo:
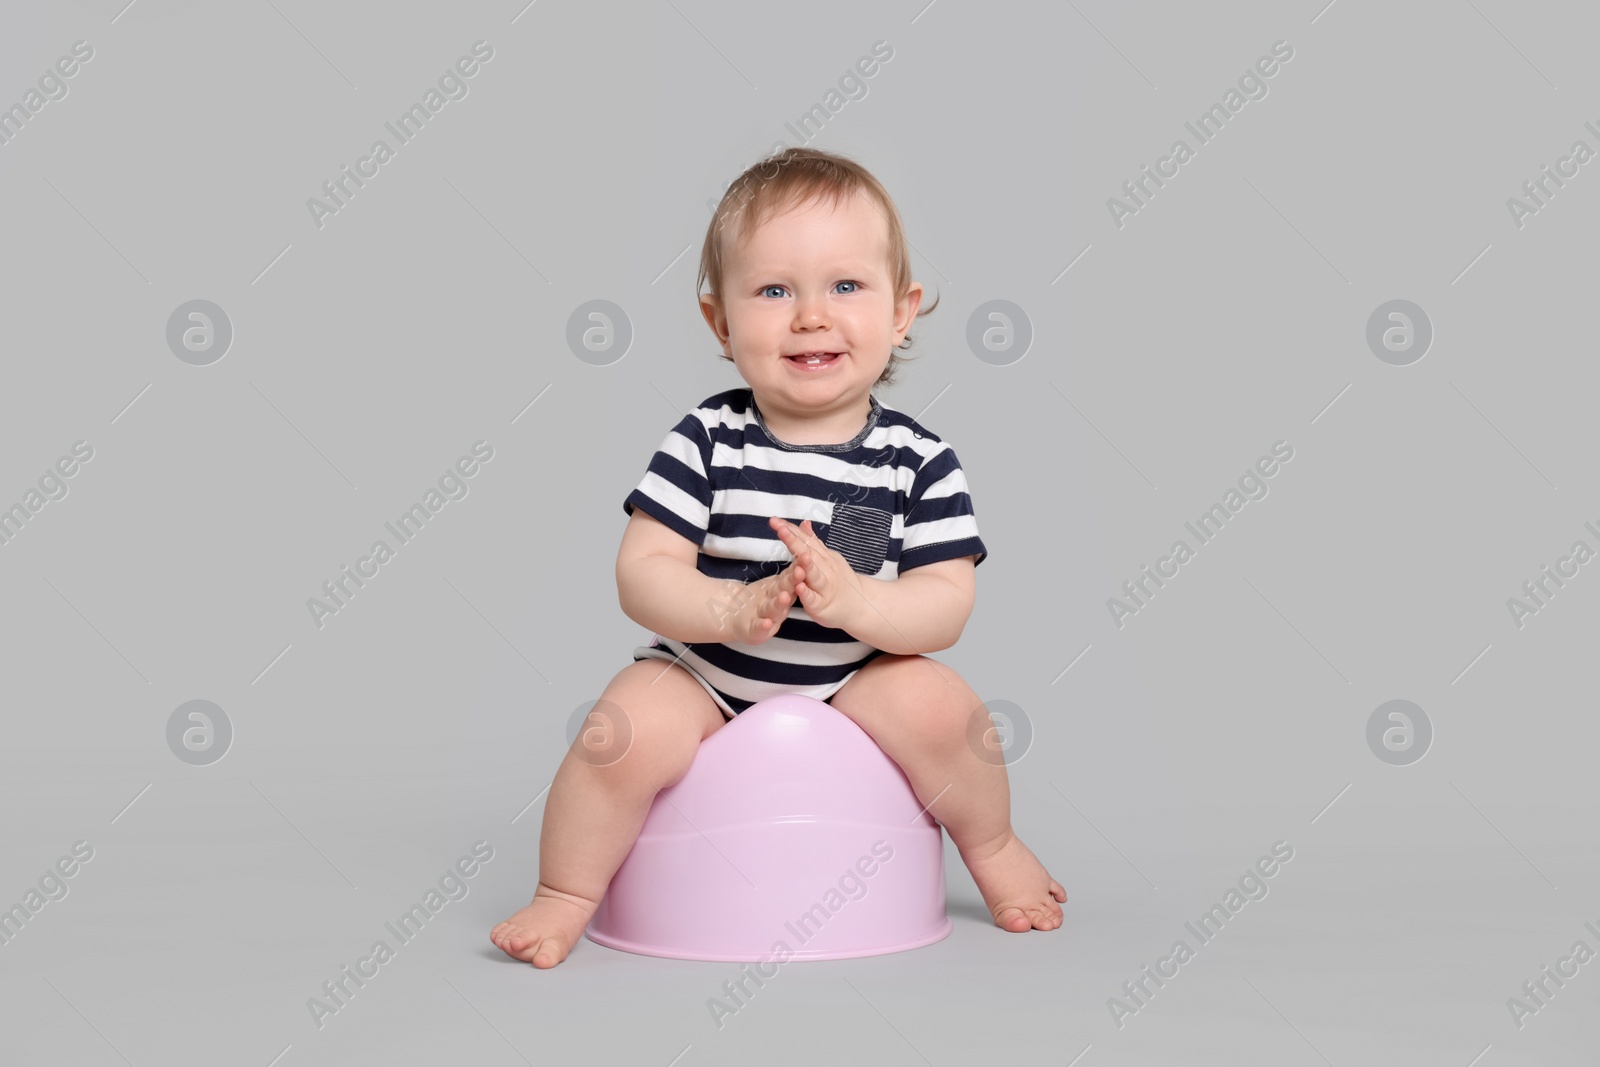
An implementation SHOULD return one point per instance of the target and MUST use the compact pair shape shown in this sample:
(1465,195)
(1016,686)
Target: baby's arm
(923,610)
(660,587)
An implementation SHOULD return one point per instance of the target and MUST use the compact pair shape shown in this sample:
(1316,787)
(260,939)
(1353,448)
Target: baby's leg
(598,803)
(919,711)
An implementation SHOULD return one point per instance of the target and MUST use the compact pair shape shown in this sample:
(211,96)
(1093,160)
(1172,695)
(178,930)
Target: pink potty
(792,836)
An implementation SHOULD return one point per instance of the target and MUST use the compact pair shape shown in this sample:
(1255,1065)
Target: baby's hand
(829,589)
(754,611)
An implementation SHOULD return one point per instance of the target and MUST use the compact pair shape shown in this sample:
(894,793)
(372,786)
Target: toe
(1059,893)
(1013,919)
(514,941)
(550,952)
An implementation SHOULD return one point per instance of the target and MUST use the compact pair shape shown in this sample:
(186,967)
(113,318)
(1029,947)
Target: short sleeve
(939,522)
(676,489)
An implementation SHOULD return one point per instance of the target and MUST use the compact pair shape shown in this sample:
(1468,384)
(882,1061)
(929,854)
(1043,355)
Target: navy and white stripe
(891,499)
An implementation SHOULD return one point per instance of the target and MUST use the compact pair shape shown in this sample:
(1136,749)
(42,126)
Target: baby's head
(806,253)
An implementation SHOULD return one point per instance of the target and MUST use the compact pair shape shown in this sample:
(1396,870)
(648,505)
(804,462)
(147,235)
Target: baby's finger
(803,533)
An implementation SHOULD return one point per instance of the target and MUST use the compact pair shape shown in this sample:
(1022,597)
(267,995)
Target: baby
(810,291)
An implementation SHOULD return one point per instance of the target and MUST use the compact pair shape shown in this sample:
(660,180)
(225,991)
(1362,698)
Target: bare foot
(1020,893)
(545,931)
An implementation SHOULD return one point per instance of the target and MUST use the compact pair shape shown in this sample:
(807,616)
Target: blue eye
(767,290)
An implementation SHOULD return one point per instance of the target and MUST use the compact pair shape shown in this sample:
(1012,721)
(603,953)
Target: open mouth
(814,359)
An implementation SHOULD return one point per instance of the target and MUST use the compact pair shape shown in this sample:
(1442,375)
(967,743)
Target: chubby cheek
(875,320)
(756,332)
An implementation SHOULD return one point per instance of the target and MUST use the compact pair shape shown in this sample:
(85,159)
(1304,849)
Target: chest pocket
(861,535)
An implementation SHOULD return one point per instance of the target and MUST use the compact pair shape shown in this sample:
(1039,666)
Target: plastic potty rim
(791,836)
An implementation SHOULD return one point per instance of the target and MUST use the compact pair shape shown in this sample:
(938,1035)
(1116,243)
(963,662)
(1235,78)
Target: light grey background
(1229,313)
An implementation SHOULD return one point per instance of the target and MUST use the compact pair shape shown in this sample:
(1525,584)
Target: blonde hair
(797,176)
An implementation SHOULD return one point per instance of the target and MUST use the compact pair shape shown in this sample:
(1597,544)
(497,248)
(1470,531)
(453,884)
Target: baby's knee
(648,724)
(938,703)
